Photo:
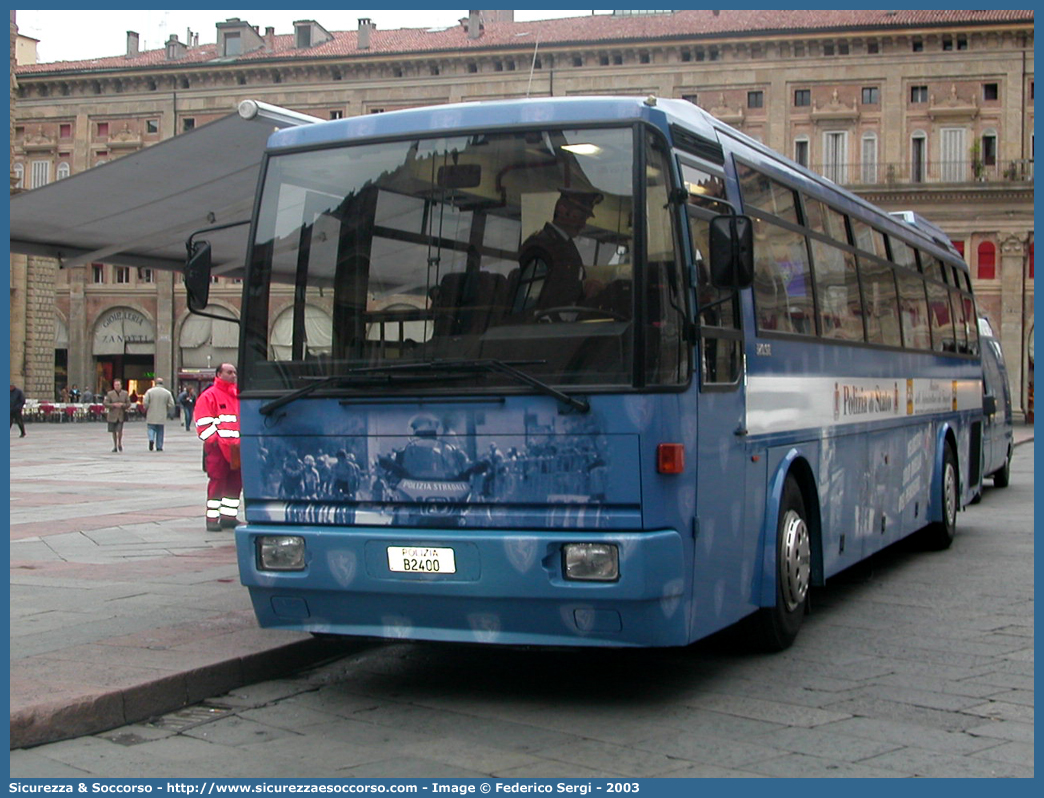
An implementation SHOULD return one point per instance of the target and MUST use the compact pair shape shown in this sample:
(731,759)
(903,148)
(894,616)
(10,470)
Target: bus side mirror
(989,405)
(197,276)
(732,252)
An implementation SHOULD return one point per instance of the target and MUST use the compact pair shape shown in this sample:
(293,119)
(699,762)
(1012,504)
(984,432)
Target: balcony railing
(887,174)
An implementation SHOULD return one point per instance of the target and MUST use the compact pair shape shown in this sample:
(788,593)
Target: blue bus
(584,372)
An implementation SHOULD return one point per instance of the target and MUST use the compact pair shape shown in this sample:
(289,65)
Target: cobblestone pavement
(122,605)
(912,664)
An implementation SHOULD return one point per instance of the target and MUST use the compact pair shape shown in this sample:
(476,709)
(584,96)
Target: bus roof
(488,115)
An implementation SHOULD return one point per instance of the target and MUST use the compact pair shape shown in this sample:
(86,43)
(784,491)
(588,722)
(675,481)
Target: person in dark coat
(551,269)
(17,403)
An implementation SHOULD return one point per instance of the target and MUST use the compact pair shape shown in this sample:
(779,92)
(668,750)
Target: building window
(41,173)
(233,44)
(842,48)
(643,58)
(828,49)
(97,273)
(713,54)
(123,274)
(987,261)
(151,126)
(755,99)
(873,48)
(617,60)
(103,129)
(947,43)
(989,92)
(435,70)
(65,131)
(188,123)
(989,148)
(835,156)
(146,276)
(578,61)
(868,167)
(871,95)
(337,114)
(801,151)
(472,68)
(686,55)
(962,42)
(918,45)
(700,54)
(918,94)
(692,98)
(603,60)
(802,97)
(62,171)
(376,111)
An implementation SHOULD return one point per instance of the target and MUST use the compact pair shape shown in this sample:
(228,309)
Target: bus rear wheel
(939,534)
(775,628)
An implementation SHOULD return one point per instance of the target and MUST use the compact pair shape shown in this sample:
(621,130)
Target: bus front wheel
(777,627)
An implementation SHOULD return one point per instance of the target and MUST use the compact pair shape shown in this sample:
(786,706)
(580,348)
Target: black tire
(939,534)
(776,628)
(1002,476)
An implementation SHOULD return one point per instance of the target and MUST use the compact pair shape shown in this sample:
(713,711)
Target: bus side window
(782,280)
(720,345)
(913,309)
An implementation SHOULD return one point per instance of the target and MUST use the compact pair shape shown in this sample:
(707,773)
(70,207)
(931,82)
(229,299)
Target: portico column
(1012,267)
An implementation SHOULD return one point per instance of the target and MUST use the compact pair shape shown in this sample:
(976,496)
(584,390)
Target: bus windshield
(516,248)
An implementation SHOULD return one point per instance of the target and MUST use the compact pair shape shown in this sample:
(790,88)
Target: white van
(997,430)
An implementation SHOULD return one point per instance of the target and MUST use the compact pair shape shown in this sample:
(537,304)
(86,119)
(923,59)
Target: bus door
(720,583)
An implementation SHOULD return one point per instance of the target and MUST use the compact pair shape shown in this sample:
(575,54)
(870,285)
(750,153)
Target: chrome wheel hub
(950,495)
(795,568)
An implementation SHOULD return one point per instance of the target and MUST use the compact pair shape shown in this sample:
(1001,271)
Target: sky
(74,35)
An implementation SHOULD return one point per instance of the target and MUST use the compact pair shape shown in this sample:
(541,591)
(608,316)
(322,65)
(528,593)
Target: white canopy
(140,209)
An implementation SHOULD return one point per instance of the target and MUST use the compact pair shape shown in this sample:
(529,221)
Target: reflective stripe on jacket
(217,417)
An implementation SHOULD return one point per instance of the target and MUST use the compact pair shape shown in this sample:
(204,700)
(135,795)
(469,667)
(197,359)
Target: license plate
(421,560)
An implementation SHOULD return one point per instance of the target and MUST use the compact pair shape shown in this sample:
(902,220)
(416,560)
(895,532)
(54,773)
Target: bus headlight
(280,553)
(591,562)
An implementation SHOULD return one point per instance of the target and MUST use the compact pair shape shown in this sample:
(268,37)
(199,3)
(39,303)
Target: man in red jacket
(217,425)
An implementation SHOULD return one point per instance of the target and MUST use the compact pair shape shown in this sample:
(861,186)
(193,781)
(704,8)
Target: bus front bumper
(505,587)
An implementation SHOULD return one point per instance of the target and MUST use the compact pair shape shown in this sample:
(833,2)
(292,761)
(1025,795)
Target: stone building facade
(32,282)
(929,111)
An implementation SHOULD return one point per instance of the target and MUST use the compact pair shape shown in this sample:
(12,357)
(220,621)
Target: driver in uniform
(551,269)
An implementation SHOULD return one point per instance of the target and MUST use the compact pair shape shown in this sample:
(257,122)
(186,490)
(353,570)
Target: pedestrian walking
(217,425)
(187,400)
(159,404)
(17,403)
(116,403)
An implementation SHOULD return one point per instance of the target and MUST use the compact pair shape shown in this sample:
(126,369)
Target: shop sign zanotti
(123,331)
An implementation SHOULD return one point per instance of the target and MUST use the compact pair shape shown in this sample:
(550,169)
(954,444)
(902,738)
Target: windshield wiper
(507,368)
(320,382)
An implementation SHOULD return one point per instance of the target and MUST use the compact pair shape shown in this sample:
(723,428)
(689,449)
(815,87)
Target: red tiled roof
(588,29)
